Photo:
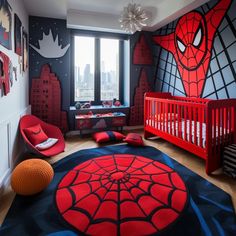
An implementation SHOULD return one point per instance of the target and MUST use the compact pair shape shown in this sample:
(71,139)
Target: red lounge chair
(50,130)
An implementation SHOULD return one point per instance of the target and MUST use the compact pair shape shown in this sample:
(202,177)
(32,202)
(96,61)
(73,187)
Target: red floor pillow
(107,136)
(134,139)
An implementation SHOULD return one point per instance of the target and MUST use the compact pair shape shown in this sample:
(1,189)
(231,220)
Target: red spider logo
(191,45)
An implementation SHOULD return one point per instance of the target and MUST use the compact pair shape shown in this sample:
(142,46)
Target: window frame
(97,72)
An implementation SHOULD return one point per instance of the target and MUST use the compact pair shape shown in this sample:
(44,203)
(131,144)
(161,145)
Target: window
(97,69)
(84,69)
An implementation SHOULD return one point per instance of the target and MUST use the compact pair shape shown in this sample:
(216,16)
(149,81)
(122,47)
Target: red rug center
(118,175)
(121,194)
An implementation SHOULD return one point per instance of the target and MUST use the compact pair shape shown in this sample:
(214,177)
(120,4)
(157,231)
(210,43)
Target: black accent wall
(38,26)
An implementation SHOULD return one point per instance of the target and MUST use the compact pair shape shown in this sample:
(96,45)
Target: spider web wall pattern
(221,77)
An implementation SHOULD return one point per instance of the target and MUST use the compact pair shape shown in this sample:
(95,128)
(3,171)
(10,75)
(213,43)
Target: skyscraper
(45,99)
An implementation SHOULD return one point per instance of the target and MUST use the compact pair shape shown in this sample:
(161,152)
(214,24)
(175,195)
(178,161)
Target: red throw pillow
(107,136)
(134,139)
(35,134)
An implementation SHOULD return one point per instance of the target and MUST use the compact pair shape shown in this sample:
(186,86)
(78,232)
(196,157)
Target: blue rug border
(223,217)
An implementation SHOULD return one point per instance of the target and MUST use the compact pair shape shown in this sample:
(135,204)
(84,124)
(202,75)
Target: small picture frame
(18,35)
(6,24)
(25,50)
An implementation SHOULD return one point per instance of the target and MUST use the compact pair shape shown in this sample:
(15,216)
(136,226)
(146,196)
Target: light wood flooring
(75,143)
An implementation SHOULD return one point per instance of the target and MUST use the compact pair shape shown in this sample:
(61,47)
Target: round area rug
(121,194)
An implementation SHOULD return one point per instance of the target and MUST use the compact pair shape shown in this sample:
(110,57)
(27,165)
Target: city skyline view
(84,70)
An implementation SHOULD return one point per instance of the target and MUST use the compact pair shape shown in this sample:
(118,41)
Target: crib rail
(180,119)
(221,128)
(201,126)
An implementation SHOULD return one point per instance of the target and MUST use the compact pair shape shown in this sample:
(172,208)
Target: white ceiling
(104,14)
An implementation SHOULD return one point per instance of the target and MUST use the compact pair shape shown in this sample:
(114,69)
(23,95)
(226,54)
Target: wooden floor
(75,143)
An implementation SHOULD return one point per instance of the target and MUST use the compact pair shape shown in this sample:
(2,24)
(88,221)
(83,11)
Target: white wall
(14,104)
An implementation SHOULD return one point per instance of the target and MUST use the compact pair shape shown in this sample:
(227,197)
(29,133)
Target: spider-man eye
(181,46)
(198,37)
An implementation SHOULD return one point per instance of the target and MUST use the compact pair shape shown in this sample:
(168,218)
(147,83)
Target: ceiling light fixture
(133,18)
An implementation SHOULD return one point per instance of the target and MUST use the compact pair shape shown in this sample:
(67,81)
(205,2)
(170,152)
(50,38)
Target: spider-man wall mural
(191,45)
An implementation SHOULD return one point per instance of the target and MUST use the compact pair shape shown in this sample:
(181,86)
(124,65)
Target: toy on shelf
(107,103)
(78,105)
(86,105)
(116,103)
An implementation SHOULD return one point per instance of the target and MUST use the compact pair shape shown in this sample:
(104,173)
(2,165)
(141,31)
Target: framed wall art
(5,24)
(18,35)
(25,50)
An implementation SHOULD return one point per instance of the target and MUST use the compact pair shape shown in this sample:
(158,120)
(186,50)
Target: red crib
(200,126)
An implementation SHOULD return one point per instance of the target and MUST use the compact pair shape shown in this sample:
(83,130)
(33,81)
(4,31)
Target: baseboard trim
(5,181)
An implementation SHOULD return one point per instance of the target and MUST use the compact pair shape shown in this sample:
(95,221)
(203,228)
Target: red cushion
(107,136)
(134,139)
(35,134)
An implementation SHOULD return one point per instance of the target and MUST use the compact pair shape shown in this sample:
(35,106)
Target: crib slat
(179,124)
(201,120)
(152,112)
(165,124)
(190,128)
(175,132)
(149,112)
(150,109)
(226,125)
(170,118)
(185,122)
(155,115)
(166,118)
(214,138)
(161,117)
(230,127)
(223,126)
(219,128)
(195,125)
(215,125)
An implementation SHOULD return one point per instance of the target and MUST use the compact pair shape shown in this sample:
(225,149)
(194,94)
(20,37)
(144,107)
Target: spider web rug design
(122,190)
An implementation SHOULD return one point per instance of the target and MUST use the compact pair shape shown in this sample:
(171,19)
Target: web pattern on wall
(221,77)
(167,75)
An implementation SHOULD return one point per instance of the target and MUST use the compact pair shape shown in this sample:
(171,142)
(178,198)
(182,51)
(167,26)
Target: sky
(85,46)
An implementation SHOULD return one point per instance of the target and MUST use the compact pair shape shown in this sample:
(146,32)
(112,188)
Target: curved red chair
(50,130)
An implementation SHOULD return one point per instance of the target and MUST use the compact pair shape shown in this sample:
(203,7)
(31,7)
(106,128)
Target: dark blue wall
(60,66)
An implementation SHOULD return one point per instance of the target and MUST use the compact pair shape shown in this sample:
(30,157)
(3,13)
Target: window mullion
(121,70)
(97,71)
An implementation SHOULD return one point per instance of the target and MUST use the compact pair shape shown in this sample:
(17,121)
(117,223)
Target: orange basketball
(31,176)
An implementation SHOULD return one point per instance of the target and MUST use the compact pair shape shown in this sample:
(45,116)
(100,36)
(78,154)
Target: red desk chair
(50,130)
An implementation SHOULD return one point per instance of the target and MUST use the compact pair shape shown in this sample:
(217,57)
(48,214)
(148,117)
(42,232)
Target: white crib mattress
(162,126)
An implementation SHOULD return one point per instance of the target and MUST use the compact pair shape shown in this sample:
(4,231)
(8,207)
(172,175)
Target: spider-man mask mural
(191,45)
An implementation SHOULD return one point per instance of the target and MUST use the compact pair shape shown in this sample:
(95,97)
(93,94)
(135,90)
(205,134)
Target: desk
(100,121)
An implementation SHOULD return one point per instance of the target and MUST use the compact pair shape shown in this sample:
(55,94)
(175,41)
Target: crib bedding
(189,132)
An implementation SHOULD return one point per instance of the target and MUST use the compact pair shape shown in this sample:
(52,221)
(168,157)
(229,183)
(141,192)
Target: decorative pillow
(35,134)
(134,139)
(46,144)
(107,136)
